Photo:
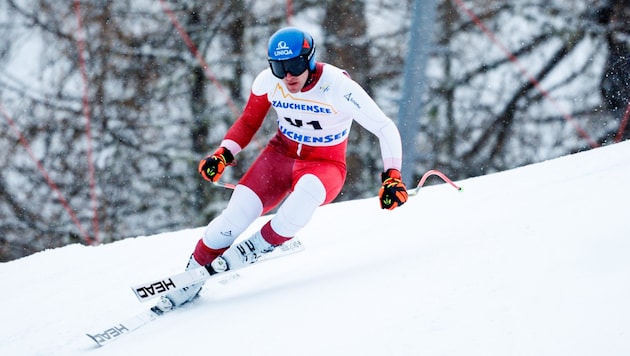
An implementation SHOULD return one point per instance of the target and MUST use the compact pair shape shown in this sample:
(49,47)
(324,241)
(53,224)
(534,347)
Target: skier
(303,164)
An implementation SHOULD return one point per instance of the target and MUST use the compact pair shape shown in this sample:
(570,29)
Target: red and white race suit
(304,164)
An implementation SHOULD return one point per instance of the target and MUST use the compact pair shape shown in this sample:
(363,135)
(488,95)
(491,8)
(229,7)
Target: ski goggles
(294,66)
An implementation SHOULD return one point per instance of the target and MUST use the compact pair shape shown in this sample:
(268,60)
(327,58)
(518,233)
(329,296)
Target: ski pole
(432,172)
(411,192)
(224,185)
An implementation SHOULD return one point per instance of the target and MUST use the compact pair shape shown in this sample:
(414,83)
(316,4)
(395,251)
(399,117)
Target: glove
(211,168)
(393,192)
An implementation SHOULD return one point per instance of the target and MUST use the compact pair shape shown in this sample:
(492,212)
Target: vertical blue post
(411,108)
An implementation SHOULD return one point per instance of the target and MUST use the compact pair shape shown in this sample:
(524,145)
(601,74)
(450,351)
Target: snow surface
(531,261)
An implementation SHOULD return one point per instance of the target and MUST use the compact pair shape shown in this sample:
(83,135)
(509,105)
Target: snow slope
(532,261)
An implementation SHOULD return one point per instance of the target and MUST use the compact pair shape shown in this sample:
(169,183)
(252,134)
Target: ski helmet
(291,50)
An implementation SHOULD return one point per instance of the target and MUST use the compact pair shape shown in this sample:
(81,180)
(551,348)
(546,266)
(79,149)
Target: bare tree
(490,110)
(611,20)
(146,93)
(156,110)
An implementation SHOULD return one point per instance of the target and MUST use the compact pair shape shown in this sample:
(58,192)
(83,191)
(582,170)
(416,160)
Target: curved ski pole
(411,192)
(432,172)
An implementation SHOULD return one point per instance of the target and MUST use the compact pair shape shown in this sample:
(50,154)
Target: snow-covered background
(531,261)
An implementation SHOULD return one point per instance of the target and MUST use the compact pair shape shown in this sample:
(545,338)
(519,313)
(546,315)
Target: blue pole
(411,102)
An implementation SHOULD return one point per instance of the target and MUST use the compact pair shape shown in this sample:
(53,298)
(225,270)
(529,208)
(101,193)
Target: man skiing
(303,166)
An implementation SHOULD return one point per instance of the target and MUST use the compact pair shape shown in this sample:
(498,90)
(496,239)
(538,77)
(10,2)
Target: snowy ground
(532,261)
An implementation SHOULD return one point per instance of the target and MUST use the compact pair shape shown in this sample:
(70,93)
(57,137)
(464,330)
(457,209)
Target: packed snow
(531,261)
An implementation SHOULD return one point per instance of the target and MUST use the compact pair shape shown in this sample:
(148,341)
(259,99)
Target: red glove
(211,168)
(393,192)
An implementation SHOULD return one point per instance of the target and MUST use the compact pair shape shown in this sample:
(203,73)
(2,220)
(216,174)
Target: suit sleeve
(366,112)
(246,126)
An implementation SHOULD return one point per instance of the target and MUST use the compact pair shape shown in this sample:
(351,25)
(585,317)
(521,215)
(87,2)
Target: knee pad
(244,207)
(296,211)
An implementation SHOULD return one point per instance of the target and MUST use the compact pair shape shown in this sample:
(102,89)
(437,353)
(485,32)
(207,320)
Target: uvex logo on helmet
(283,49)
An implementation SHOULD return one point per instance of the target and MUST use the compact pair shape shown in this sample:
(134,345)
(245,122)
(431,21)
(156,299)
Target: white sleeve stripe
(391,147)
(232,146)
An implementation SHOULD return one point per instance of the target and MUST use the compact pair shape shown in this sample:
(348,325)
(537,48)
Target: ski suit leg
(264,185)
(317,183)
(298,208)
(242,209)
(270,177)
(293,214)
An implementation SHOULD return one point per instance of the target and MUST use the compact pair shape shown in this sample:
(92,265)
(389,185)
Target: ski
(116,330)
(153,289)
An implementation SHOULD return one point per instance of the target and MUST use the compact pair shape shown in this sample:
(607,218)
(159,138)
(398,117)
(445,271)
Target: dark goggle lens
(294,66)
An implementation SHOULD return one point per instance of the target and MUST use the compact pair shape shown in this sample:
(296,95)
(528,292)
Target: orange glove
(393,192)
(211,168)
